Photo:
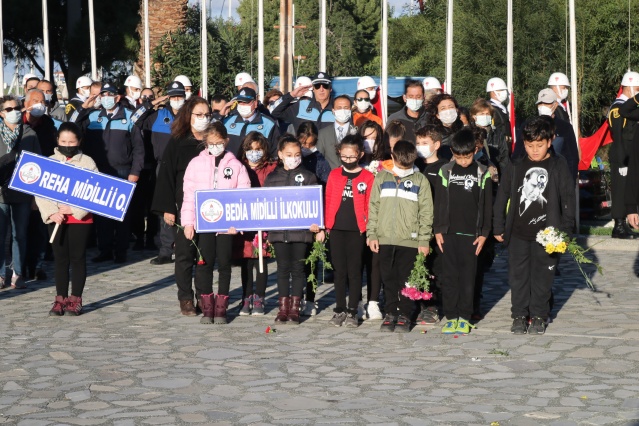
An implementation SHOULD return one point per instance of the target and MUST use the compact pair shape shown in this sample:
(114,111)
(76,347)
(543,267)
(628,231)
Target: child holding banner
(74,226)
(213,168)
(291,246)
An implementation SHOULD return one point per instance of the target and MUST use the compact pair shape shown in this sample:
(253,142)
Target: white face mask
(448,116)
(98,102)
(369,144)
(199,124)
(83,94)
(502,95)
(544,110)
(483,120)
(216,150)
(37,110)
(308,151)
(402,173)
(48,97)
(414,104)
(342,115)
(13,117)
(187,95)
(245,110)
(254,155)
(371,94)
(563,94)
(363,106)
(292,162)
(135,95)
(424,151)
(176,105)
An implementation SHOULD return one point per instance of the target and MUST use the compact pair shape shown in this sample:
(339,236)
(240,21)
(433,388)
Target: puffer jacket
(202,173)
(281,177)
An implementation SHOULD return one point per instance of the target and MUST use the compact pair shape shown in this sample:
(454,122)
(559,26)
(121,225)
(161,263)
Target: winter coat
(28,141)
(362,186)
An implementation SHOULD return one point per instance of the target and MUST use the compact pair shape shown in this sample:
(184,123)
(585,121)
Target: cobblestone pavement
(131,359)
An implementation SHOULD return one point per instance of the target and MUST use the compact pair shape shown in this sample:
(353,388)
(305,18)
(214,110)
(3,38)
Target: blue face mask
(108,102)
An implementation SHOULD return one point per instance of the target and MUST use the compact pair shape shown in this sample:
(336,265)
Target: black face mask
(69,151)
(350,166)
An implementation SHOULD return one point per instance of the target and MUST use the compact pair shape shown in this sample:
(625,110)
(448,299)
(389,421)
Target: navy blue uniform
(237,129)
(302,111)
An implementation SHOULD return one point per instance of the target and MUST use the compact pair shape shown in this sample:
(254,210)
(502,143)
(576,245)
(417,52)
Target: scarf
(9,137)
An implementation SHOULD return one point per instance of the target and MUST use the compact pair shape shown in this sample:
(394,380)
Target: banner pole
(55,230)
(259,251)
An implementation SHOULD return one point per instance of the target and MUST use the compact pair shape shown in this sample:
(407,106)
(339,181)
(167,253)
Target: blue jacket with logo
(155,133)
(302,111)
(237,129)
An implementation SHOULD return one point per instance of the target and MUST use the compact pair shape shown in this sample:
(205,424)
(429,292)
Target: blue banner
(259,209)
(64,183)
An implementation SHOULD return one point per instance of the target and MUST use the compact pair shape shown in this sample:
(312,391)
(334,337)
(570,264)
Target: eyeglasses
(348,159)
(9,109)
(201,116)
(148,98)
(216,144)
(363,99)
(326,86)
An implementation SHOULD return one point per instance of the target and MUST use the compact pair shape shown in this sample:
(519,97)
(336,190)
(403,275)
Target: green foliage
(318,253)
(419,275)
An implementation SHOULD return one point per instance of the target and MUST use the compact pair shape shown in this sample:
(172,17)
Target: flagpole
(509,51)
(449,49)
(384,80)
(204,52)
(94,66)
(1,53)
(147,46)
(322,46)
(260,49)
(574,94)
(45,40)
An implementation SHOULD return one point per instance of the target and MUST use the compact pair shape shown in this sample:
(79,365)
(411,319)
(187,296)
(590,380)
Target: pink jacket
(201,173)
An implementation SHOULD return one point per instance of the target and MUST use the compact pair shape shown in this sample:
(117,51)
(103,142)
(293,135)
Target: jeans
(16,215)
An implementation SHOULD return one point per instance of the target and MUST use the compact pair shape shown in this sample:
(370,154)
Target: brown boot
(206,304)
(294,310)
(282,315)
(187,308)
(221,303)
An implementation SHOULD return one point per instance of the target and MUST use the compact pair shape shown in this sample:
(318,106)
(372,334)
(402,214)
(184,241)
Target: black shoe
(102,257)
(403,324)
(120,258)
(538,326)
(139,245)
(40,275)
(161,260)
(520,325)
(388,324)
(621,232)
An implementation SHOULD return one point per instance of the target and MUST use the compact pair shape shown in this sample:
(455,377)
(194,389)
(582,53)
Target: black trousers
(373,276)
(113,234)
(531,272)
(248,264)
(143,222)
(167,238)
(348,247)
(395,264)
(214,247)
(290,267)
(70,249)
(484,261)
(184,261)
(37,240)
(618,190)
(459,265)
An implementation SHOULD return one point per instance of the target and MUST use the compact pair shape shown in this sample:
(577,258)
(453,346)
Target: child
(371,133)
(213,168)
(463,212)
(400,224)
(347,195)
(541,193)
(70,242)
(255,158)
(394,132)
(291,246)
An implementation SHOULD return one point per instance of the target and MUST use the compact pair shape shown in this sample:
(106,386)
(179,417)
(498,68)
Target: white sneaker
(373,311)
(310,309)
(361,312)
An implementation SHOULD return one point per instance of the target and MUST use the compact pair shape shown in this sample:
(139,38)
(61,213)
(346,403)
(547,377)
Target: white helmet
(133,81)
(28,77)
(184,80)
(495,83)
(431,83)
(304,81)
(631,78)
(558,79)
(366,82)
(83,82)
(242,78)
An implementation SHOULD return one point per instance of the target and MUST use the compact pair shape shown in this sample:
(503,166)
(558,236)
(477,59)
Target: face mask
(37,110)
(544,110)
(371,94)
(48,97)
(402,173)
(187,95)
(483,120)
(502,95)
(216,150)
(176,105)
(424,151)
(135,95)
(69,151)
(448,116)
(245,110)
(308,151)
(414,104)
(342,115)
(200,124)
(563,94)
(349,166)
(363,106)
(292,162)
(98,102)
(254,155)
(83,94)
(108,102)
(13,117)
(369,144)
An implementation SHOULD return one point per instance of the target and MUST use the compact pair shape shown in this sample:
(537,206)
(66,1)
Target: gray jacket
(327,144)
(28,142)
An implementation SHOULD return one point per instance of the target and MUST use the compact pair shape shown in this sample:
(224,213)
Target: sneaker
(351,321)
(538,326)
(520,325)
(428,316)
(338,319)
(403,324)
(58,307)
(73,305)
(361,312)
(450,327)
(463,326)
(388,324)
(310,309)
(258,306)
(373,311)
(246,307)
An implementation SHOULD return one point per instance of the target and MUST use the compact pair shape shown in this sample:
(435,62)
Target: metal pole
(574,93)
(384,90)
(1,53)
(205,66)
(322,46)
(509,50)
(94,66)
(449,49)
(230,8)
(147,46)
(45,40)
(260,48)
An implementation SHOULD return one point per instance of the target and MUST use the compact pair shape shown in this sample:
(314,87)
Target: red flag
(591,144)
(512,119)
(377,104)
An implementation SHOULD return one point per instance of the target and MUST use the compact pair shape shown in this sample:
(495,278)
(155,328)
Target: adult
(318,110)
(443,112)
(559,84)
(14,206)
(132,92)
(306,82)
(497,144)
(29,81)
(83,91)
(185,144)
(367,83)
(241,79)
(498,96)
(330,137)
(188,86)
(218,102)
(432,87)
(414,111)
(55,109)
(363,109)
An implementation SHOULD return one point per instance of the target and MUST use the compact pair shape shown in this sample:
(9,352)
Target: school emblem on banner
(29,173)
(211,210)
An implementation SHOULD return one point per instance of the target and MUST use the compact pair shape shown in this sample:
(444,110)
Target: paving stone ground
(131,359)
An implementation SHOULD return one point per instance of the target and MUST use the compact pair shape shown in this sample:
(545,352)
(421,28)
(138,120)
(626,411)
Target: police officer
(559,84)
(623,125)
(108,141)
(188,87)
(132,92)
(498,95)
(248,119)
(318,110)
(83,91)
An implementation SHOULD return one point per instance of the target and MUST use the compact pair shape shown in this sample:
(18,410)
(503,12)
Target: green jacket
(400,210)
